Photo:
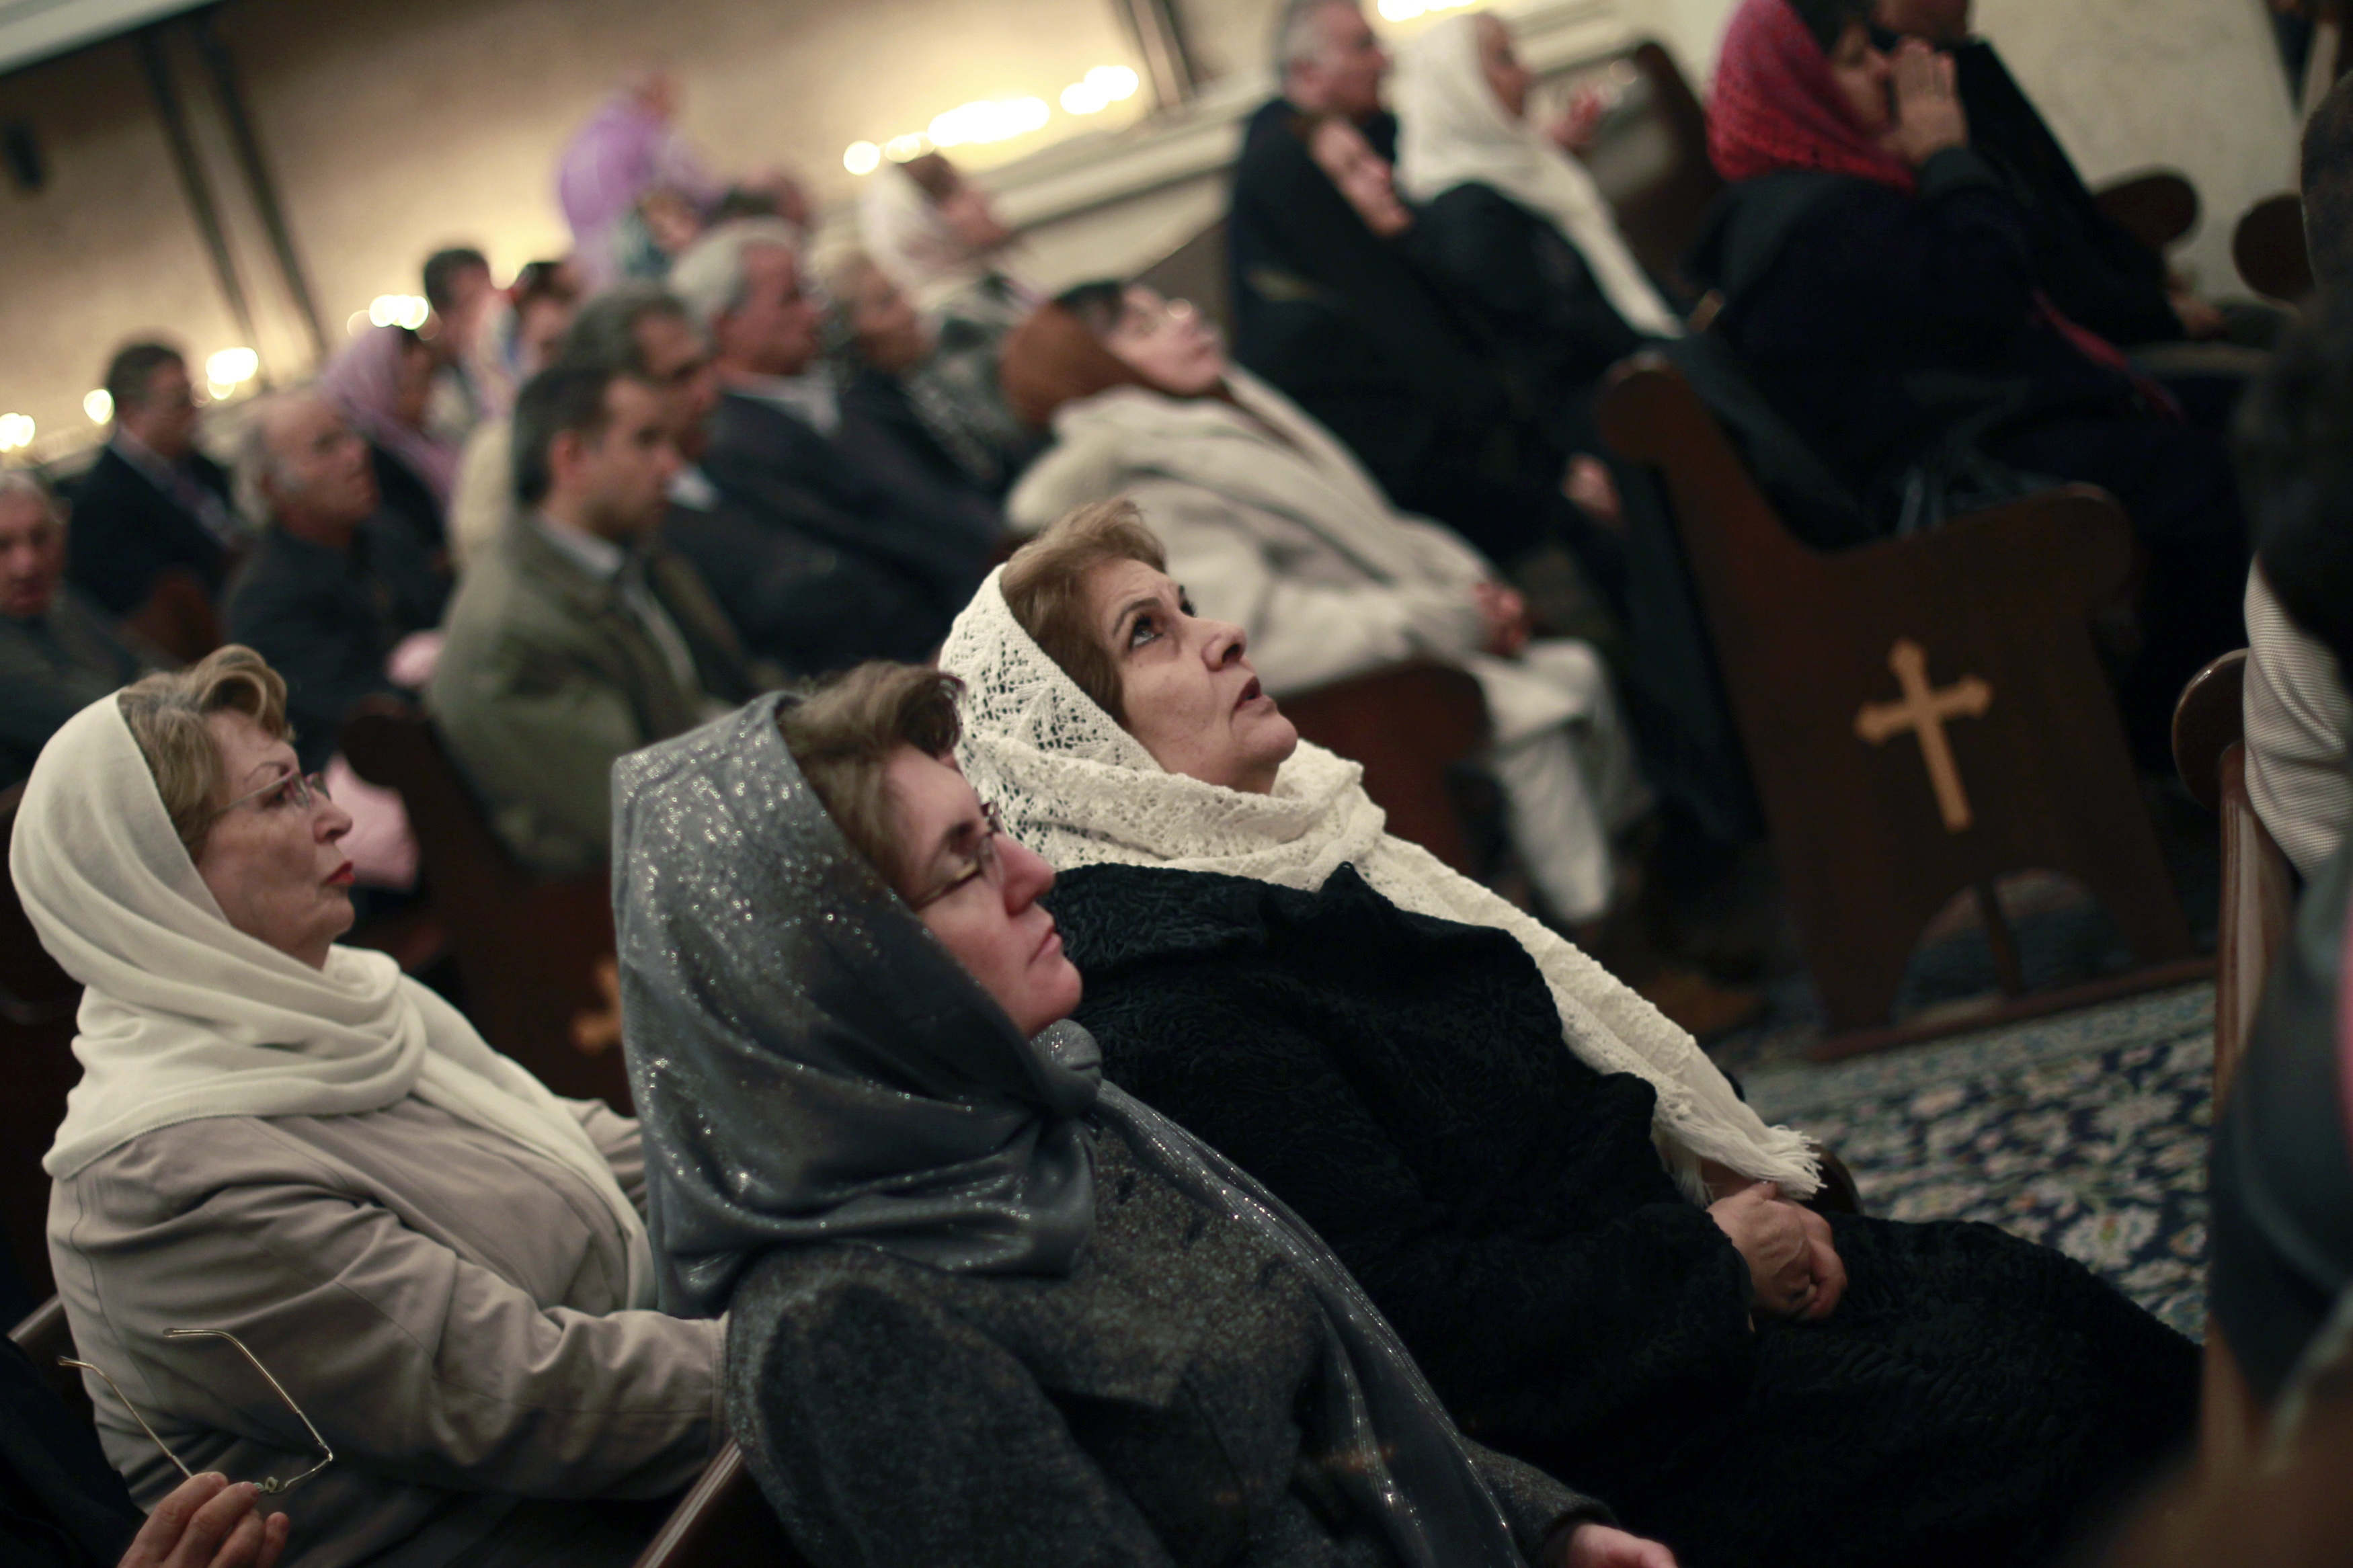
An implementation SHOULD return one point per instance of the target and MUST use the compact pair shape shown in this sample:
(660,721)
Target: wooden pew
(178,616)
(534,955)
(2258,884)
(1651,160)
(2258,904)
(2269,247)
(723,1521)
(1921,715)
(2156,208)
(44,1336)
(38,1001)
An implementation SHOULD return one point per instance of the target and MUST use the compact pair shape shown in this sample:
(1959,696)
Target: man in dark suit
(878,554)
(333,585)
(152,503)
(1329,61)
(578,637)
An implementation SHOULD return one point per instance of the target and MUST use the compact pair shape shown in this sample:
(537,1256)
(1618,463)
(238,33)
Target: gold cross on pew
(1923,710)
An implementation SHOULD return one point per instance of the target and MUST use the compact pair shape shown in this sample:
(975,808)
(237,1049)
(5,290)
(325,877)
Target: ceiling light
(232,367)
(862,158)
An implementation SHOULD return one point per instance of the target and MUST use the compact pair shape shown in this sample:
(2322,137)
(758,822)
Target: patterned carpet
(2086,1131)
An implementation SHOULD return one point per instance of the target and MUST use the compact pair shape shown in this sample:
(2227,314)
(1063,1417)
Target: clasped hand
(1928,113)
(1788,1249)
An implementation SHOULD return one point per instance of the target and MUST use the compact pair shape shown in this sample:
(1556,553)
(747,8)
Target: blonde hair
(167,714)
(1045,586)
(844,733)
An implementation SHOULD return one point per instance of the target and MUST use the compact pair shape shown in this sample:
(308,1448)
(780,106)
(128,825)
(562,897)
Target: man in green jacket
(577,638)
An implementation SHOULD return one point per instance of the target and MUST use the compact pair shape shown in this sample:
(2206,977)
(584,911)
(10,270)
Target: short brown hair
(1045,586)
(845,731)
(167,714)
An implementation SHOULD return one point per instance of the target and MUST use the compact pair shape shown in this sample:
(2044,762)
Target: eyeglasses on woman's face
(983,863)
(301,791)
(269,1486)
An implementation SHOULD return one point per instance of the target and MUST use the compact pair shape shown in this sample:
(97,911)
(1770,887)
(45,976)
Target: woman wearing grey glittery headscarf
(984,1308)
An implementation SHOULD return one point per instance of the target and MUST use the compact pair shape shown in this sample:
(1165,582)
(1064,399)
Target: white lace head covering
(184,1016)
(1073,785)
(1452,131)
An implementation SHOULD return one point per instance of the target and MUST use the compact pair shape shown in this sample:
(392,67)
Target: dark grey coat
(1142,1410)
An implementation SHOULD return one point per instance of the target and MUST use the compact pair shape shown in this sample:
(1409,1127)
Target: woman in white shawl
(288,1139)
(1513,224)
(1594,1251)
(1272,525)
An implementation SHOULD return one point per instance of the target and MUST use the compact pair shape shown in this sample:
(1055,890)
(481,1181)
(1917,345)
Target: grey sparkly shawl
(810,1066)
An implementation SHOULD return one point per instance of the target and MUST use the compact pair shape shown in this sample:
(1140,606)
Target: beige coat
(444,1304)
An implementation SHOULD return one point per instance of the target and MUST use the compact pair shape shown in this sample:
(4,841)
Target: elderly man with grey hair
(899,550)
(1327,61)
(59,652)
(341,597)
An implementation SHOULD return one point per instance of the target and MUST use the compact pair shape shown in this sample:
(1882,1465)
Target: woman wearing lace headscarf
(290,1140)
(1272,523)
(1576,1224)
(984,1308)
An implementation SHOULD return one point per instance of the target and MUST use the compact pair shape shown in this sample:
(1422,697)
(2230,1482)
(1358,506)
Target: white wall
(2126,85)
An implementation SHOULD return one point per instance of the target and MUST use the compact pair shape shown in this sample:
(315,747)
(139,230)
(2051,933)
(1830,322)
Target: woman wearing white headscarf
(1513,224)
(288,1139)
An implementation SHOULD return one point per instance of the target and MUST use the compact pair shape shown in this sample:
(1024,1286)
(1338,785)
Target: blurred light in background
(398,310)
(1104,86)
(862,158)
(98,406)
(15,432)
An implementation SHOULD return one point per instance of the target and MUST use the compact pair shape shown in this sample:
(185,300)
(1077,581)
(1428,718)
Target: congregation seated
(783,445)
(152,503)
(982,1307)
(1584,1234)
(931,382)
(1877,282)
(806,599)
(2098,272)
(1364,334)
(1271,525)
(442,1264)
(577,637)
(383,383)
(1517,227)
(58,651)
(341,597)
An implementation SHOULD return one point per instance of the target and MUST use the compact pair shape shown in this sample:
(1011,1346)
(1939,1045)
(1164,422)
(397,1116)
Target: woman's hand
(2199,320)
(207,1523)
(1599,1546)
(1506,615)
(1928,114)
(1590,487)
(1787,1247)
